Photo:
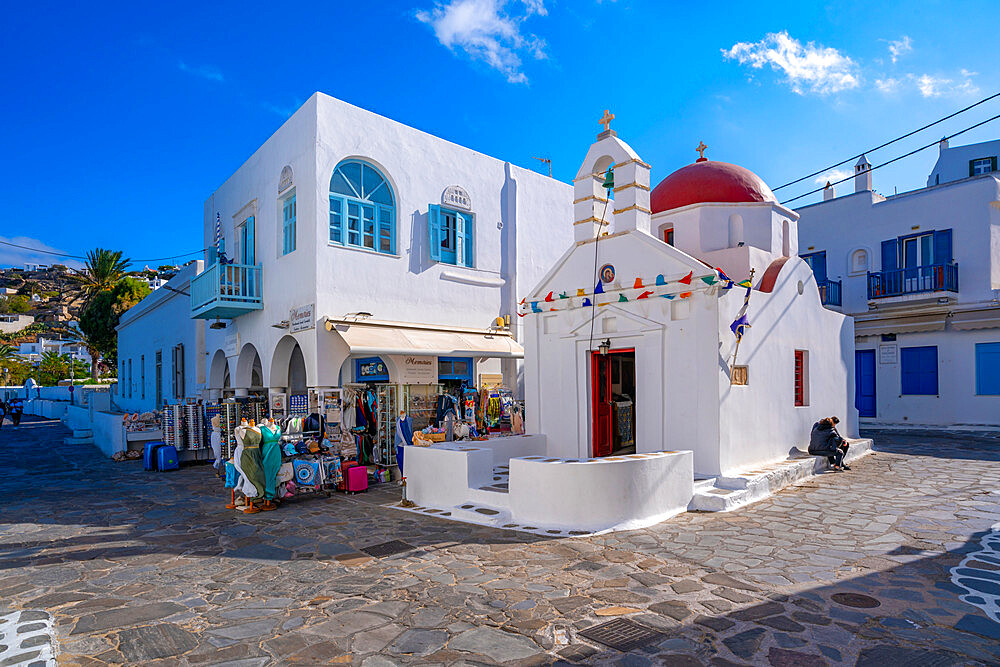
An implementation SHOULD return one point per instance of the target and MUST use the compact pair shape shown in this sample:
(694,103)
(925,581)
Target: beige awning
(911,324)
(976,319)
(374,337)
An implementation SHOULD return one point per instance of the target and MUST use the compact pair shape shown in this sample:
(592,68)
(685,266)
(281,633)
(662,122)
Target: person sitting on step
(825,441)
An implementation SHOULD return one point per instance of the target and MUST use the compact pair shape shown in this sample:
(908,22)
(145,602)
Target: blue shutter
(468,229)
(889,255)
(919,370)
(942,246)
(434,231)
(928,371)
(988,369)
(249,250)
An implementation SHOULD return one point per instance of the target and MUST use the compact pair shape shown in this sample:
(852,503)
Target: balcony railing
(914,280)
(224,291)
(830,293)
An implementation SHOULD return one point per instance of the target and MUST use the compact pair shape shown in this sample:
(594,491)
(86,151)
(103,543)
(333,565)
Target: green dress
(270,453)
(250,461)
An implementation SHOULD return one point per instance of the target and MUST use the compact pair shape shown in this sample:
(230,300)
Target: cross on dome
(606,120)
(701,151)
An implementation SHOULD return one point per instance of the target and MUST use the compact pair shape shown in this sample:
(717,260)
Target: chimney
(943,145)
(862,175)
(829,192)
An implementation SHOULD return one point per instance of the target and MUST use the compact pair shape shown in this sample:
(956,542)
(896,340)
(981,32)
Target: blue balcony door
(817,262)
(864,382)
(247,254)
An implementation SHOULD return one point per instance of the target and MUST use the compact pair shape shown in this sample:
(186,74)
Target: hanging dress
(243,484)
(270,454)
(251,461)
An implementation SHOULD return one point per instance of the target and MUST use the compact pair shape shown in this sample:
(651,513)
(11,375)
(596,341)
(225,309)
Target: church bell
(609,179)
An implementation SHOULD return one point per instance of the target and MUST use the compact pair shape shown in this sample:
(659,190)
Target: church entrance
(613,398)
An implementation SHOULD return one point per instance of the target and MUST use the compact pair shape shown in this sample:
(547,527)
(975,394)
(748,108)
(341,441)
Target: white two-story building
(355,248)
(920,273)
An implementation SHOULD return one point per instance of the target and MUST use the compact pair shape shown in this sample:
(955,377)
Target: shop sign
(455,196)
(417,369)
(888,354)
(232,347)
(285,180)
(372,369)
(301,318)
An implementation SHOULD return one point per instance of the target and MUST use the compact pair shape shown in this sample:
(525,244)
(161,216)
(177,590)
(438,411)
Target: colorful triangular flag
(684,295)
(622,298)
(523,300)
(744,283)
(535,308)
(709,280)
(600,288)
(587,303)
(660,280)
(646,294)
(548,297)
(562,295)
(580,291)
(686,279)
(638,284)
(668,296)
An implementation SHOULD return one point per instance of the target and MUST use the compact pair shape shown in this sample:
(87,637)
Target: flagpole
(739,340)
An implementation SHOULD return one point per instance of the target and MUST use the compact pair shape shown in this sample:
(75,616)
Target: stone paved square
(145,568)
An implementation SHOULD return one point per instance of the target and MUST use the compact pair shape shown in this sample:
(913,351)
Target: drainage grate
(387,548)
(855,600)
(622,634)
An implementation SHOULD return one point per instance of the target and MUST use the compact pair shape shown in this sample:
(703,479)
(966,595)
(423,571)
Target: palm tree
(104,269)
(8,354)
(77,335)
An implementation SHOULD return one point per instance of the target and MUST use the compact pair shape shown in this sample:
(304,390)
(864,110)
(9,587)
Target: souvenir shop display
(194,427)
(139,429)
(173,426)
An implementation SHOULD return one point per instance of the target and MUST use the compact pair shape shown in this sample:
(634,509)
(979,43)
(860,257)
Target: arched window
(362,208)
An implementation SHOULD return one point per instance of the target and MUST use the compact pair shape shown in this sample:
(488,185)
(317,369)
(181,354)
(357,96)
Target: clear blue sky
(118,121)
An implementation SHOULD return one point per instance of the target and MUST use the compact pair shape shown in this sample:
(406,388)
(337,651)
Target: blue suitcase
(166,458)
(149,454)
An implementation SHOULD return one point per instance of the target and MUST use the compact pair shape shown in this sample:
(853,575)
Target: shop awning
(911,324)
(976,319)
(374,338)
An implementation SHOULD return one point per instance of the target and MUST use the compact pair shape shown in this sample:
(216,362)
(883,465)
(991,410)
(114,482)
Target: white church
(640,397)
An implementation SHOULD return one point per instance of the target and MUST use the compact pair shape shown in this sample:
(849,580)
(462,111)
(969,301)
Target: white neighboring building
(161,350)
(14,323)
(355,240)
(920,273)
(32,352)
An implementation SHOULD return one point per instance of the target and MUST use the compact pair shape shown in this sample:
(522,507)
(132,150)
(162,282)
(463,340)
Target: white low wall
(512,446)
(443,474)
(48,409)
(610,493)
(108,434)
(76,418)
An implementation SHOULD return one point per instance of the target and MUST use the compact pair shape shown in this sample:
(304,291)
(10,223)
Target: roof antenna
(545,161)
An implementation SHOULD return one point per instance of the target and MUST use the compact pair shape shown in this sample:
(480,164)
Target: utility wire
(62,254)
(888,143)
(895,159)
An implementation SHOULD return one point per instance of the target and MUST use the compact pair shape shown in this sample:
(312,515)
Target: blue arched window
(362,208)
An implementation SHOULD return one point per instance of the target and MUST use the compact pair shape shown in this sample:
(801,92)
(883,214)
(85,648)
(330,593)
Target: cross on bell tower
(606,122)
(701,152)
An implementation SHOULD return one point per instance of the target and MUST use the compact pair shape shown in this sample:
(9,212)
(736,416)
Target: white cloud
(808,67)
(485,31)
(18,257)
(940,86)
(900,47)
(209,72)
(833,176)
(887,85)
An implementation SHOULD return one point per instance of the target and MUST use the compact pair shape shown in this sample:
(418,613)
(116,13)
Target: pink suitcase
(357,479)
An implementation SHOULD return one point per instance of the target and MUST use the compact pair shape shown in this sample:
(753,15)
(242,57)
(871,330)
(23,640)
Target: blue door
(864,382)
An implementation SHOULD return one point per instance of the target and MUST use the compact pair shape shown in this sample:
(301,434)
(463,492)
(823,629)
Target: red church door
(601,384)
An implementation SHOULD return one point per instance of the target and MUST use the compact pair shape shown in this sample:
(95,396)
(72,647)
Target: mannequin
(244,485)
(251,463)
(216,442)
(404,436)
(270,451)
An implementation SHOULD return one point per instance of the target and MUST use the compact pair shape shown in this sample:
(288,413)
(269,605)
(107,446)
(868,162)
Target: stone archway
(218,370)
(248,368)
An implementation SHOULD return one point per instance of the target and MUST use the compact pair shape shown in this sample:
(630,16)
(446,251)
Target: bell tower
(628,206)
(862,175)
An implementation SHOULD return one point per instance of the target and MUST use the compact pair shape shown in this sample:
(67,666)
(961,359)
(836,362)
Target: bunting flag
(562,295)
(523,300)
(646,294)
(580,291)
(741,322)
(684,295)
(535,308)
(709,280)
(548,297)
(669,296)
(722,274)
(686,279)
(638,284)
(522,314)
(600,288)
(587,303)
(622,298)
(744,283)
(660,280)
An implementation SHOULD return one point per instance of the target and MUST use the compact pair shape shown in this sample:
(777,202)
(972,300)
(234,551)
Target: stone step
(80,441)
(478,512)
(82,433)
(731,491)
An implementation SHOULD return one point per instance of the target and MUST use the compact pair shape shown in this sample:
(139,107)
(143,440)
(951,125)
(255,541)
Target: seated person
(825,441)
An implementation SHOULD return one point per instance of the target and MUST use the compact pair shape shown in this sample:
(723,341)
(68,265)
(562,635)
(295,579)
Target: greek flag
(741,322)
(218,234)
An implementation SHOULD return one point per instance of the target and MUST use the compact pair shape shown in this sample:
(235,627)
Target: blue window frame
(370,369)
(247,234)
(455,368)
(450,236)
(988,369)
(919,370)
(362,208)
(288,215)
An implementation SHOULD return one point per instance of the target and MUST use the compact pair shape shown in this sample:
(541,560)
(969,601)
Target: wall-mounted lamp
(217,324)
(605,346)
(283,324)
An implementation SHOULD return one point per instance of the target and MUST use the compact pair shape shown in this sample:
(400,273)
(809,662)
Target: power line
(65,255)
(895,159)
(888,143)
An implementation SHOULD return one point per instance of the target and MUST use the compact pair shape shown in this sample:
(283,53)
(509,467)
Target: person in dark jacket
(825,441)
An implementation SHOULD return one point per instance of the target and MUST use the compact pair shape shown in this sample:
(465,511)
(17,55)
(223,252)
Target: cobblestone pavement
(144,568)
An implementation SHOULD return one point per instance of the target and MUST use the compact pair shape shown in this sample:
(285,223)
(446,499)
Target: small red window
(800,380)
(668,236)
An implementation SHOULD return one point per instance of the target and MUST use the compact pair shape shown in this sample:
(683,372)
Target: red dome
(709,181)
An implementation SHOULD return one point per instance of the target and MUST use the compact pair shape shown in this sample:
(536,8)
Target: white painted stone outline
(12,639)
(989,553)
